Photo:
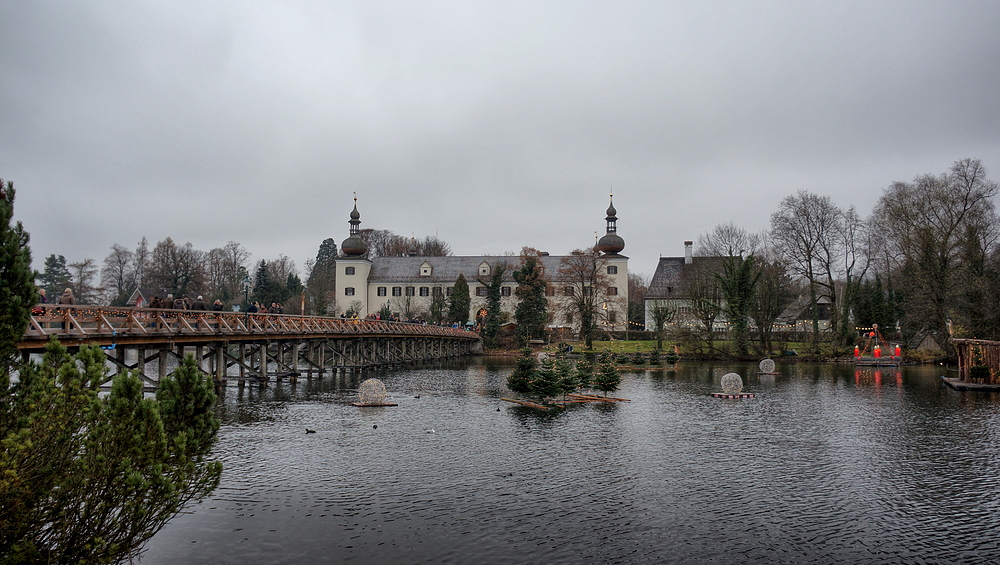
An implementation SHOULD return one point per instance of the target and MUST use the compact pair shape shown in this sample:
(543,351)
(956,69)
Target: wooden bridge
(241,346)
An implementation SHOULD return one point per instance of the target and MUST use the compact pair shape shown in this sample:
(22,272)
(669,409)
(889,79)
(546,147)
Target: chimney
(688,254)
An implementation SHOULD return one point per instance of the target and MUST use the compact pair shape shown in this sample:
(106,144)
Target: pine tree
(491,326)
(458,307)
(546,383)
(567,377)
(531,313)
(90,478)
(607,379)
(519,380)
(17,280)
(584,373)
(55,276)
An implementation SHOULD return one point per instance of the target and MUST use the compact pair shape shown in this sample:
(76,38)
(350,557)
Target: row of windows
(480,291)
(612,270)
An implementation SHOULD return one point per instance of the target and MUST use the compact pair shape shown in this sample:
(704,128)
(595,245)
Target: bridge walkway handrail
(83,322)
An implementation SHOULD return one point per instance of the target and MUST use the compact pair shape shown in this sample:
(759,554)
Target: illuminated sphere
(767,366)
(732,383)
(371,391)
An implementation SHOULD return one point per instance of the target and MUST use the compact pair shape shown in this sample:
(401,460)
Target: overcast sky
(493,125)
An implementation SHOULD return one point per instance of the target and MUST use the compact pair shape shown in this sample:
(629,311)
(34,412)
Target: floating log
(362,404)
(592,398)
(731,395)
(526,403)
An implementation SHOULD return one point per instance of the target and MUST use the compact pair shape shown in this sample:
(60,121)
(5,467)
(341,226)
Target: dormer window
(426,270)
(484,269)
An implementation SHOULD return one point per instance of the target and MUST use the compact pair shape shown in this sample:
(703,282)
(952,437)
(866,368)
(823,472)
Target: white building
(407,285)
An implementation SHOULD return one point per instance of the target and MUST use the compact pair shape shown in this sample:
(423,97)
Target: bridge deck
(107,325)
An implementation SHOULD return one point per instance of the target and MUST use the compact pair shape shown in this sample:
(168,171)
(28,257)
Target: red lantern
(878,351)
(897,353)
(857,352)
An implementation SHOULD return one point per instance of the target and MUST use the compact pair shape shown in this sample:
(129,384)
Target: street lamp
(246,299)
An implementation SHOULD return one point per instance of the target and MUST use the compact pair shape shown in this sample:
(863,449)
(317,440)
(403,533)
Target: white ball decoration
(767,366)
(372,391)
(732,383)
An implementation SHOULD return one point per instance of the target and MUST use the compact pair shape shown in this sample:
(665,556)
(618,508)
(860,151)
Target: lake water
(826,465)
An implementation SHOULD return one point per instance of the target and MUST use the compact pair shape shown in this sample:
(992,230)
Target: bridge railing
(103,321)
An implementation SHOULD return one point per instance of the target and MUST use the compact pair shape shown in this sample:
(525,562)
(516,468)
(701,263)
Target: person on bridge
(199,304)
(67,297)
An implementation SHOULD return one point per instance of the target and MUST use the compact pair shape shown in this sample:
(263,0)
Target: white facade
(408,285)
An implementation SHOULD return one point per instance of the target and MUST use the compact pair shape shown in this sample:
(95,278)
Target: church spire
(354,246)
(611,243)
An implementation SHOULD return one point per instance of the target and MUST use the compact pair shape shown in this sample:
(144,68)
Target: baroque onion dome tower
(611,243)
(354,246)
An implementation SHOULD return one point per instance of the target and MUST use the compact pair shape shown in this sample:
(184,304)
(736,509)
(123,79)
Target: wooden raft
(529,404)
(592,398)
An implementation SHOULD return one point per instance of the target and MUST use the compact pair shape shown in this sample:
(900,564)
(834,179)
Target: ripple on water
(821,467)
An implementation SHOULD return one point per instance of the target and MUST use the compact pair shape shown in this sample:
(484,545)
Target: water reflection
(827,464)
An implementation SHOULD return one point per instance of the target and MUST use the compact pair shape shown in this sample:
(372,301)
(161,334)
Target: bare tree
(585,272)
(804,230)
(225,270)
(118,275)
(927,222)
(177,269)
(83,273)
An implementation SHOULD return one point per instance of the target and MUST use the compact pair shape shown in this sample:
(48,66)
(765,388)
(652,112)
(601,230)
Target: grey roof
(671,274)
(445,270)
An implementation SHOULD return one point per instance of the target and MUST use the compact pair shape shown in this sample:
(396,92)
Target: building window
(504,291)
(397,291)
(411,291)
(381,291)
(436,290)
(670,290)
(612,291)
(448,290)
(425,291)
(550,290)
(349,291)
(612,318)
(480,291)
(613,270)
(568,291)
(348,270)
(587,290)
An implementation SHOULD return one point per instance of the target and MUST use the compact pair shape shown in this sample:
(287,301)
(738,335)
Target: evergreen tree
(738,282)
(524,372)
(491,326)
(437,306)
(607,379)
(262,284)
(17,280)
(584,373)
(546,383)
(86,478)
(567,377)
(458,306)
(531,313)
(322,278)
(55,276)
